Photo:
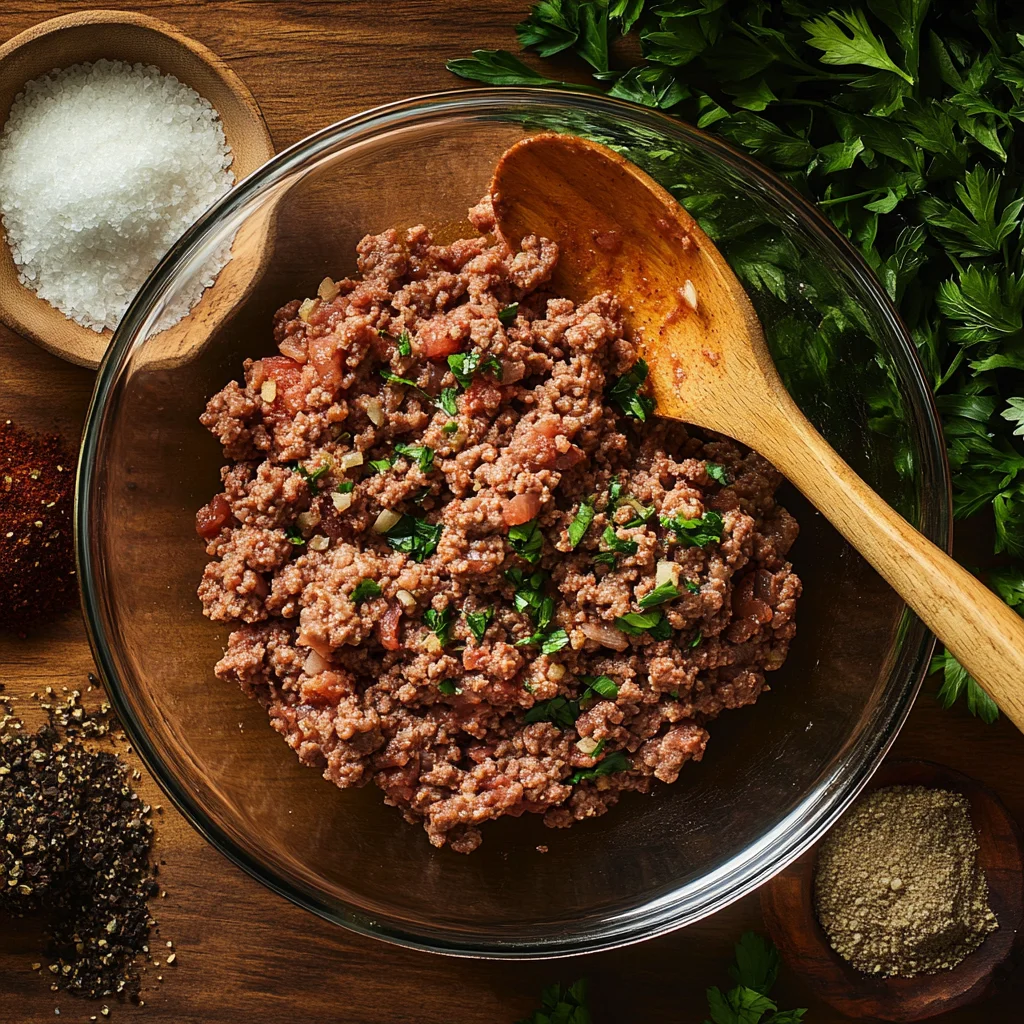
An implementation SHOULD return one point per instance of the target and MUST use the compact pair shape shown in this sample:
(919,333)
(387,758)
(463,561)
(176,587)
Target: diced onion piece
(319,543)
(587,744)
(341,501)
(293,349)
(667,572)
(307,309)
(556,672)
(375,411)
(432,645)
(406,599)
(350,460)
(328,289)
(314,664)
(689,294)
(268,390)
(385,521)
(307,520)
(607,636)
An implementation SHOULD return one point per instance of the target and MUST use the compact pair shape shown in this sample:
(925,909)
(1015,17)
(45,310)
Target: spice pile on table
(102,167)
(74,845)
(37,555)
(898,887)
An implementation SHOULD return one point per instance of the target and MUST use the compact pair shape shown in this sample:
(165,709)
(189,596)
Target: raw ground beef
(460,725)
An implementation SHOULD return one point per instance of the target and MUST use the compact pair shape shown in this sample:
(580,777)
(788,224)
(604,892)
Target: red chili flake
(37,554)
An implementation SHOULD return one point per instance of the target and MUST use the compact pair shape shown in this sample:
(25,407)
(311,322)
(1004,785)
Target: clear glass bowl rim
(789,837)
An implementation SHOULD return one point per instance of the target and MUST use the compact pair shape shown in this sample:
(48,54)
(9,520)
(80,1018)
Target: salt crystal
(102,167)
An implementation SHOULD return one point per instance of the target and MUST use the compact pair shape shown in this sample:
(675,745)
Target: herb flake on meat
(380,466)
(464,365)
(364,590)
(294,535)
(345,487)
(581,522)
(698,532)
(717,473)
(446,402)
(313,478)
(527,541)
(653,623)
(393,378)
(559,711)
(414,537)
(420,453)
(508,315)
(659,595)
(692,586)
(404,343)
(625,392)
(616,544)
(614,762)
(440,623)
(478,622)
(449,687)
(450,427)
(698,638)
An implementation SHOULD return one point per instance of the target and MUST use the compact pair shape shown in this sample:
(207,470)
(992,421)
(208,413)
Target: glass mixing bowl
(775,776)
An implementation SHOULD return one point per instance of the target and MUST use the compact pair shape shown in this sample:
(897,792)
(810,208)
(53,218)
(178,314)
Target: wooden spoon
(116,35)
(620,231)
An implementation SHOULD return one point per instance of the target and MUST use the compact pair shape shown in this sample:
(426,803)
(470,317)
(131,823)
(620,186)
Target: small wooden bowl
(788,906)
(115,35)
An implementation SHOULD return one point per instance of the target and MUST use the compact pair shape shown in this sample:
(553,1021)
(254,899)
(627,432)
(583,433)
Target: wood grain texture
(709,364)
(245,954)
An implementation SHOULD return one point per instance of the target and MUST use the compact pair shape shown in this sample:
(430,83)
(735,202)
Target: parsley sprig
(900,119)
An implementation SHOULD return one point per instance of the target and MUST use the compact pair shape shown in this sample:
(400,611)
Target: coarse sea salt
(102,167)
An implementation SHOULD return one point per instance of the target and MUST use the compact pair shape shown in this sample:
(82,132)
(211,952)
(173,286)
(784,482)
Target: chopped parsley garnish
(440,623)
(393,378)
(364,590)
(553,641)
(692,586)
(529,598)
(421,453)
(697,638)
(404,342)
(450,427)
(604,558)
(415,537)
(699,532)
(421,495)
(508,315)
(615,490)
(559,710)
(527,541)
(465,364)
(446,401)
(478,622)
(448,687)
(653,623)
(294,534)
(345,487)
(581,522)
(643,512)
(625,392)
(716,472)
(614,762)
(614,543)
(659,595)
(379,465)
(529,593)
(312,479)
(598,686)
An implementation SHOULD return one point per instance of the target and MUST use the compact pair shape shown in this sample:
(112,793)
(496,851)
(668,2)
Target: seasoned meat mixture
(464,559)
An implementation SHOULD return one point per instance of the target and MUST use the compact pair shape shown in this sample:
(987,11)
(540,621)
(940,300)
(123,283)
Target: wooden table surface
(245,954)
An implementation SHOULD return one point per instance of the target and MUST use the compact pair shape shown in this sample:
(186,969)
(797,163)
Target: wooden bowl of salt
(788,906)
(89,36)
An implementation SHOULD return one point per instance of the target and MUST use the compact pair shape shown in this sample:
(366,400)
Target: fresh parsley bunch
(900,118)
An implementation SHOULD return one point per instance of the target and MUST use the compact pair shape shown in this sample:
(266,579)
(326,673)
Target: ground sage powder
(898,888)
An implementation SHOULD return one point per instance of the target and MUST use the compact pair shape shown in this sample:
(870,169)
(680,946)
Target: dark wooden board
(245,954)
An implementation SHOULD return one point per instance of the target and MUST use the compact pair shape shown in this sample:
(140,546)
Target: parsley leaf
(420,453)
(957,682)
(415,537)
(364,590)
(440,623)
(404,343)
(499,67)
(465,364)
(527,541)
(562,1006)
(659,595)
(717,473)
(446,402)
(846,38)
(614,762)
(1014,412)
(380,465)
(448,687)
(581,522)
(654,623)
(478,622)
(698,639)
(598,686)
(699,532)
(507,316)
(345,487)
(755,973)
(554,641)
(294,536)
(312,478)
(625,392)
(616,544)
(558,710)
(393,378)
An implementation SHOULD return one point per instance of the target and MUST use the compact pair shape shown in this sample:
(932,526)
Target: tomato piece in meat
(388,628)
(521,509)
(325,356)
(211,518)
(287,375)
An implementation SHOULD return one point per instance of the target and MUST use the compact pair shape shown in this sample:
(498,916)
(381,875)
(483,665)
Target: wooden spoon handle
(985,635)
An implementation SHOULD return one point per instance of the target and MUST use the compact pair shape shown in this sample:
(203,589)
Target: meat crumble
(465,561)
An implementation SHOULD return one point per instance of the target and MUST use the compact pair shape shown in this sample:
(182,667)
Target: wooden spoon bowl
(788,905)
(136,38)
